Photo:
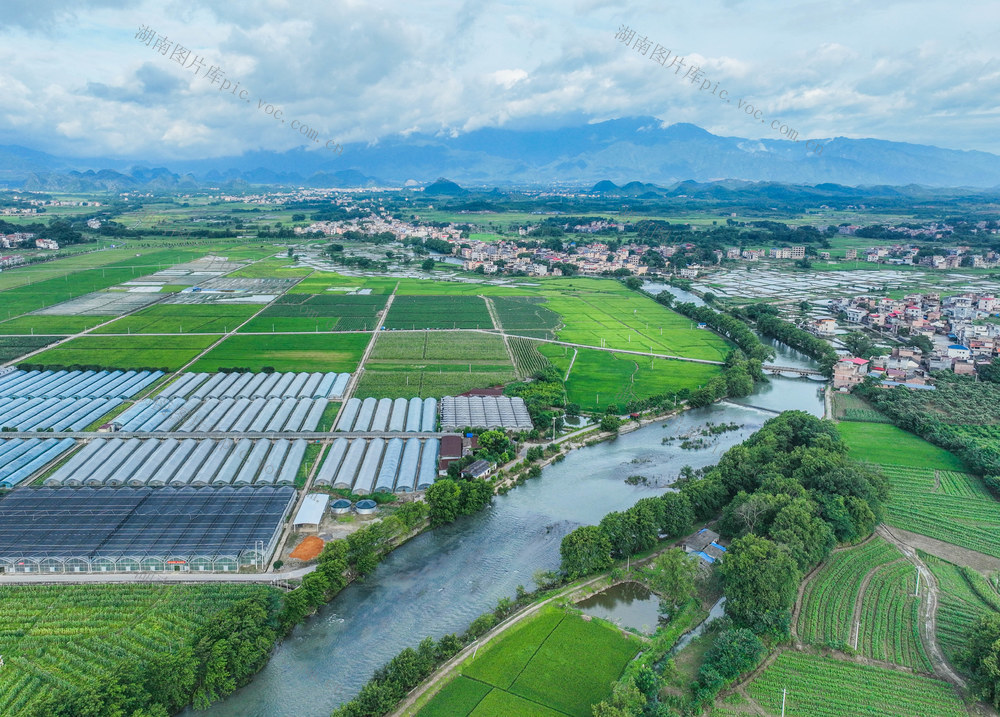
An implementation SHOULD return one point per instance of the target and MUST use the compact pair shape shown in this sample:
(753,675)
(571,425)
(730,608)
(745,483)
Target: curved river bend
(440,581)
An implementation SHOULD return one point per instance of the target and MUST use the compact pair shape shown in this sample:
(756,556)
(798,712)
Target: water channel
(440,581)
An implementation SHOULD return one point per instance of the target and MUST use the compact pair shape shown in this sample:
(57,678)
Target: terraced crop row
(959,604)
(527,357)
(827,687)
(960,512)
(889,621)
(828,599)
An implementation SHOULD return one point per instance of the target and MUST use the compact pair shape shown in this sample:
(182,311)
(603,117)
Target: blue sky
(76,81)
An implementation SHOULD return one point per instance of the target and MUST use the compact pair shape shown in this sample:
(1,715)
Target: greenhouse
(131,529)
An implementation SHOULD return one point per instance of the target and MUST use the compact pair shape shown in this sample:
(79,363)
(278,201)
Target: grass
(438,312)
(526,315)
(889,445)
(306,352)
(127,352)
(827,687)
(319,312)
(78,634)
(328,282)
(181,319)
(599,378)
(279,268)
(848,407)
(554,663)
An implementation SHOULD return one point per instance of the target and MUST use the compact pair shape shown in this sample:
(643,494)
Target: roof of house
(855,361)
(959,346)
(476,468)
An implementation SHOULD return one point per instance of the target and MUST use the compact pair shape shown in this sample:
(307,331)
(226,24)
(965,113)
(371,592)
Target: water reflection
(628,604)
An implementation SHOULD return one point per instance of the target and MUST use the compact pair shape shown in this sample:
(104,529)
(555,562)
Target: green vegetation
(964,597)
(46,324)
(438,312)
(458,697)
(848,407)
(948,506)
(889,445)
(77,638)
(301,352)
(600,378)
(11,347)
(827,612)
(526,316)
(527,358)
(25,297)
(827,687)
(127,352)
(536,666)
(181,319)
(434,364)
(319,312)
(889,627)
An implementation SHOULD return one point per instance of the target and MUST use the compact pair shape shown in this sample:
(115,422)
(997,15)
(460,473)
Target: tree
(444,498)
(496,444)
(672,577)
(981,657)
(585,550)
(858,343)
(808,537)
(634,283)
(474,495)
(678,515)
(761,580)
(427,264)
(610,423)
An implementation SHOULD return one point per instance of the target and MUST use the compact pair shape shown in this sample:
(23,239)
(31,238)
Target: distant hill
(636,155)
(444,187)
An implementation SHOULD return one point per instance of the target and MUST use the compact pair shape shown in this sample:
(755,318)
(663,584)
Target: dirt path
(571,362)
(928,610)
(495,318)
(946,551)
(859,601)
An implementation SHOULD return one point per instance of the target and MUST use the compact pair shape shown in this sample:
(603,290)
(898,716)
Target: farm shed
(310,514)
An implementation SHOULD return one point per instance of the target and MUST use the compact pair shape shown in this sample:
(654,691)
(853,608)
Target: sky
(134,80)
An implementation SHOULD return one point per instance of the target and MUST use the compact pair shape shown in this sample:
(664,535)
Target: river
(440,581)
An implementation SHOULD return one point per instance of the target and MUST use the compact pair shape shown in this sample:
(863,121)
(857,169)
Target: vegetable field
(438,312)
(964,597)
(828,599)
(827,687)
(75,634)
(527,358)
(299,352)
(526,315)
(128,352)
(535,668)
(947,505)
(181,319)
(848,407)
(452,347)
(888,629)
(13,346)
(380,381)
(319,312)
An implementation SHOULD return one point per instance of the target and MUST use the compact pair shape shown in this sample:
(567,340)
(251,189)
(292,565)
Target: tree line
(785,497)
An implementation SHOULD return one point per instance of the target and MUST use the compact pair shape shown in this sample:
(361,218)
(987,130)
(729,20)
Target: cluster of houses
(7,262)
(596,258)
(15,239)
(376,224)
(784,252)
(964,340)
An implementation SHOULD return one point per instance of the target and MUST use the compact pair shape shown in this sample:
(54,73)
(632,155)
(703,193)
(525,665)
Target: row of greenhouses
(233,415)
(258,385)
(386,414)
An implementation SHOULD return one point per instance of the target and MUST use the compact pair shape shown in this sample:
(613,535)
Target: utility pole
(784,691)
(917,591)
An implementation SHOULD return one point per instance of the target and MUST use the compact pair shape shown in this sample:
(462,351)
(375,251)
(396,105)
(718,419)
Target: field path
(495,318)
(570,368)
(352,385)
(859,602)
(928,610)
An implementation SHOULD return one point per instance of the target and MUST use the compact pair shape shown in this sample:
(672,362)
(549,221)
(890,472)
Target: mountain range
(620,150)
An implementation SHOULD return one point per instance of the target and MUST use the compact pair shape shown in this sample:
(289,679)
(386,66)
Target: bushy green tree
(444,499)
(761,580)
(584,551)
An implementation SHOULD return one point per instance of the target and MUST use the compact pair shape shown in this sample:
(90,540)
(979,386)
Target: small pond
(627,605)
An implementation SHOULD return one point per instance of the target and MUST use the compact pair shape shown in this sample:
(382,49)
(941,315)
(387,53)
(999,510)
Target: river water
(440,581)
